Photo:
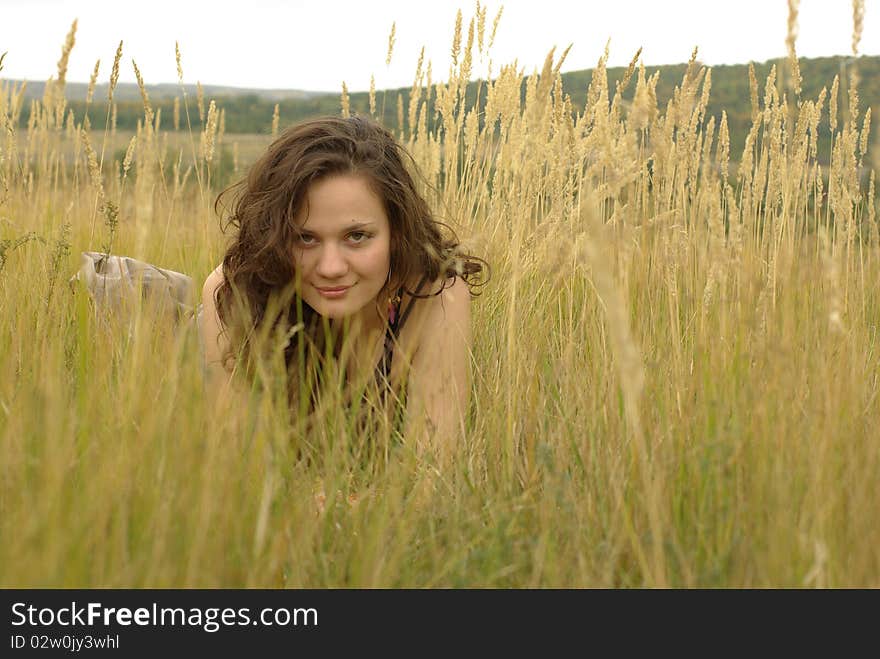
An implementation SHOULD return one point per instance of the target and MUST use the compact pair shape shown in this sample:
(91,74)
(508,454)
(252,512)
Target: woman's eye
(363,236)
(356,237)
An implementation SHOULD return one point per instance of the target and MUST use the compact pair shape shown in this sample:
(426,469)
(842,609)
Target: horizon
(279,54)
(315,92)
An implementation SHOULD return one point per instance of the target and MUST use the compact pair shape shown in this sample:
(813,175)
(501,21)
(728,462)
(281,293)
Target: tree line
(251,113)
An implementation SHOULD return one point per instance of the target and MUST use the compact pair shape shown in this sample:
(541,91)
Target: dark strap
(383,371)
(412,301)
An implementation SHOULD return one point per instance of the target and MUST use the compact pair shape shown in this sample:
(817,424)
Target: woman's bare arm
(215,341)
(438,393)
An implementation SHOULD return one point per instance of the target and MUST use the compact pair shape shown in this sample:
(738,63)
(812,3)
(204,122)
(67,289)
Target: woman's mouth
(335,292)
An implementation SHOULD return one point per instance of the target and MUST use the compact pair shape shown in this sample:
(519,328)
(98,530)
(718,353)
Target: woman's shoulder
(214,341)
(453,297)
(440,301)
(441,343)
(445,290)
(424,286)
(422,292)
(212,283)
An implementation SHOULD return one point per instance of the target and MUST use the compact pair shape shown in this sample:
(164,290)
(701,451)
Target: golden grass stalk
(832,105)
(179,64)
(145,97)
(790,39)
(391,41)
(69,42)
(92,82)
(114,73)
(858,10)
(344,101)
(200,101)
(456,40)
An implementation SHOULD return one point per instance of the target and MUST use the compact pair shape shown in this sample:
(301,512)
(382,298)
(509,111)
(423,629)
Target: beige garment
(116,283)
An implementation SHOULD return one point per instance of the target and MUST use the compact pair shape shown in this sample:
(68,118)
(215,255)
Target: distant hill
(730,89)
(250,110)
(76,91)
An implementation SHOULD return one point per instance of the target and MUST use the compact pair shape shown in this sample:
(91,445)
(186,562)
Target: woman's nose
(331,262)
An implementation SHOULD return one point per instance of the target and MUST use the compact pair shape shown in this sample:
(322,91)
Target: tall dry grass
(675,363)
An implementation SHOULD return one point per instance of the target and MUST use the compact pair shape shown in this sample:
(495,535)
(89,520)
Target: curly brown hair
(259,267)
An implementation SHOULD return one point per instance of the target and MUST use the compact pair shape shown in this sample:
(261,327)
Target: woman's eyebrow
(351,227)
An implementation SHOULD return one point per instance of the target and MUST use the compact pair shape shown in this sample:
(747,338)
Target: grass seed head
(832,104)
(391,40)
(858,23)
(790,40)
(114,73)
(179,65)
(200,101)
(92,81)
(345,101)
(65,54)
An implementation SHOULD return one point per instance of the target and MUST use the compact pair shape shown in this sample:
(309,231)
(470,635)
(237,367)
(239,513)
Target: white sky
(316,44)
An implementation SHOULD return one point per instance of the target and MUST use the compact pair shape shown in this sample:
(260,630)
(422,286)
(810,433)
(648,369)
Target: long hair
(258,296)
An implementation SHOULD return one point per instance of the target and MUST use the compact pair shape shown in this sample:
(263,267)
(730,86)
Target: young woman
(334,246)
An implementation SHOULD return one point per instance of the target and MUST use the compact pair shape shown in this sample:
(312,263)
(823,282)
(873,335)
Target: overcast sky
(316,44)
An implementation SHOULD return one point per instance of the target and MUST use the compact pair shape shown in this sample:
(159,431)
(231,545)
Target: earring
(393,301)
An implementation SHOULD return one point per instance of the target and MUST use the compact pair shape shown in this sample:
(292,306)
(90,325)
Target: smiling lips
(337,291)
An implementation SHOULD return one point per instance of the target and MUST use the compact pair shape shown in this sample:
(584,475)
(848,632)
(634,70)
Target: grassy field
(676,368)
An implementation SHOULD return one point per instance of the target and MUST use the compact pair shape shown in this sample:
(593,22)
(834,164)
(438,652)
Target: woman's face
(345,244)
